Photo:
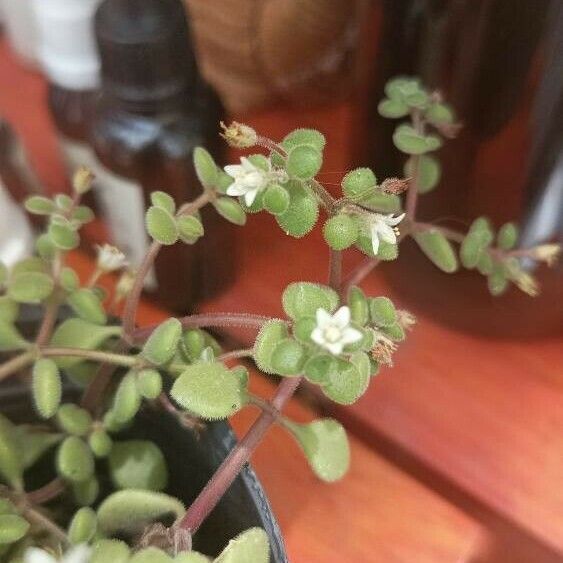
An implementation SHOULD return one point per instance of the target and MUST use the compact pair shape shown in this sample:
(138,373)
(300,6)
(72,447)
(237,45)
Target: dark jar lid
(145,51)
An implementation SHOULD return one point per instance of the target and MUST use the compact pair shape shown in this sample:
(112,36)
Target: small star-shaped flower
(333,332)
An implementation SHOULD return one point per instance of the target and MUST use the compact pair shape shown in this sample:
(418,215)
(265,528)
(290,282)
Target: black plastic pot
(192,458)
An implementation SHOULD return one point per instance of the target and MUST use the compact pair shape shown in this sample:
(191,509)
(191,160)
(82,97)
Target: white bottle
(69,57)
(16,237)
(20,25)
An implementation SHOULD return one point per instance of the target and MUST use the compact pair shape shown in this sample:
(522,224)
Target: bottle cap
(145,50)
(67,48)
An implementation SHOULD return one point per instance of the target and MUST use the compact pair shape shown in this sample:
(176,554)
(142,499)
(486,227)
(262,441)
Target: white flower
(77,554)
(333,332)
(248,180)
(383,228)
(110,258)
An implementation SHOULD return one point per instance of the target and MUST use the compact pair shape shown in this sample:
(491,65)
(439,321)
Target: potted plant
(86,476)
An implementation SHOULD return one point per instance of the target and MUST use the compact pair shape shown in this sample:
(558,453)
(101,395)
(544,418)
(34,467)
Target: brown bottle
(152,113)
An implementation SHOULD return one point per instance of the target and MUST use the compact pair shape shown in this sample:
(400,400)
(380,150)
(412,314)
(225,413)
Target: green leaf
(74,460)
(497,281)
(345,384)
(73,419)
(131,510)
(37,442)
(191,557)
(395,332)
(362,363)
(288,357)
(100,443)
(9,309)
(249,547)
(301,299)
(407,140)
(476,242)
(440,114)
(45,247)
(149,383)
(358,304)
(190,228)
(164,200)
(86,304)
(382,202)
(127,399)
(46,387)
(326,447)
(209,390)
(86,492)
(192,344)
(63,236)
(39,205)
(341,231)
(11,467)
(271,333)
(161,226)
(69,279)
(382,311)
(10,337)
(303,327)
(12,528)
(303,162)
(231,210)
(302,213)
(113,551)
(507,236)
(276,199)
(31,264)
(304,137)
(151,555)
(63,201)
(163,342)
(359,184)
(429,172)
(138,464)
(82,526)
(317,369)
(30,287)
(78,333)
(438,249)
(205,168)
(393,108)
(83,214)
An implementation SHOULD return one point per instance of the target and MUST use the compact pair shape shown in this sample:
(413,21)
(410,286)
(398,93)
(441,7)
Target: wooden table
(457,452)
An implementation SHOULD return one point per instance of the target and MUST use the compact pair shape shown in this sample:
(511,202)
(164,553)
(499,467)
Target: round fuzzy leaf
(191,557)
(138,464)
(30,287)
(288,357)
(46,387)
(276,199)
(161,226)
(429,172)
(438,249)
(39,205)
(382,202)
(10,338)
(9,309)
(113,551)
(326,447)
(12,528)
(83,214)
(82,526)
(163,342)
(63,236)
(345,383)
(209,390)
(340,231)
(74,419)
(249,547)
(362,363)
(497,281)
(474,245)
(151,555)
(45,247)
(393,108)
(302,299)
(86,492)
(63,202)
(131,510)
(164,200)
(270,335)
(303,328)
(11,467)
(386,252)
(317,368)
(395,332)
(440,114)
(303,162)
(149,383)
(382,311)
(508,236)
(190,228)
(192,344)
(127,400)
(304,137)
(69,279)
(32,264)
(358,304)
(205,168)
(359,184)
(407,140)
(37,443)
(302,213)
(100,443)
(231,210)
(86,304)
(74,460)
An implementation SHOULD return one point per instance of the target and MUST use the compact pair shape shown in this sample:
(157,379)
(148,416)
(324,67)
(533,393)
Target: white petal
(342,317)
(78,554)
(351,335)
(334,348)
(387,234)
(36,555)
(236,189)
(234,170)
(247,166)
(374,239)
(317,336)
(324,318)
(393,221)
(250,196)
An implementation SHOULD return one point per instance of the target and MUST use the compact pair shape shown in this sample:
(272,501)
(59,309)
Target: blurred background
(459,449)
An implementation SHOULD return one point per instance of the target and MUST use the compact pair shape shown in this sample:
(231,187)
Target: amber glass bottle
(152,113)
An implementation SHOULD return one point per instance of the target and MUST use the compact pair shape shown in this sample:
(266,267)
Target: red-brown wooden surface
(476,422)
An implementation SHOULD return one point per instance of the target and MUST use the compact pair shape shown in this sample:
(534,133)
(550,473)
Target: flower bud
(239,135)
(548,253)
(82,180)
